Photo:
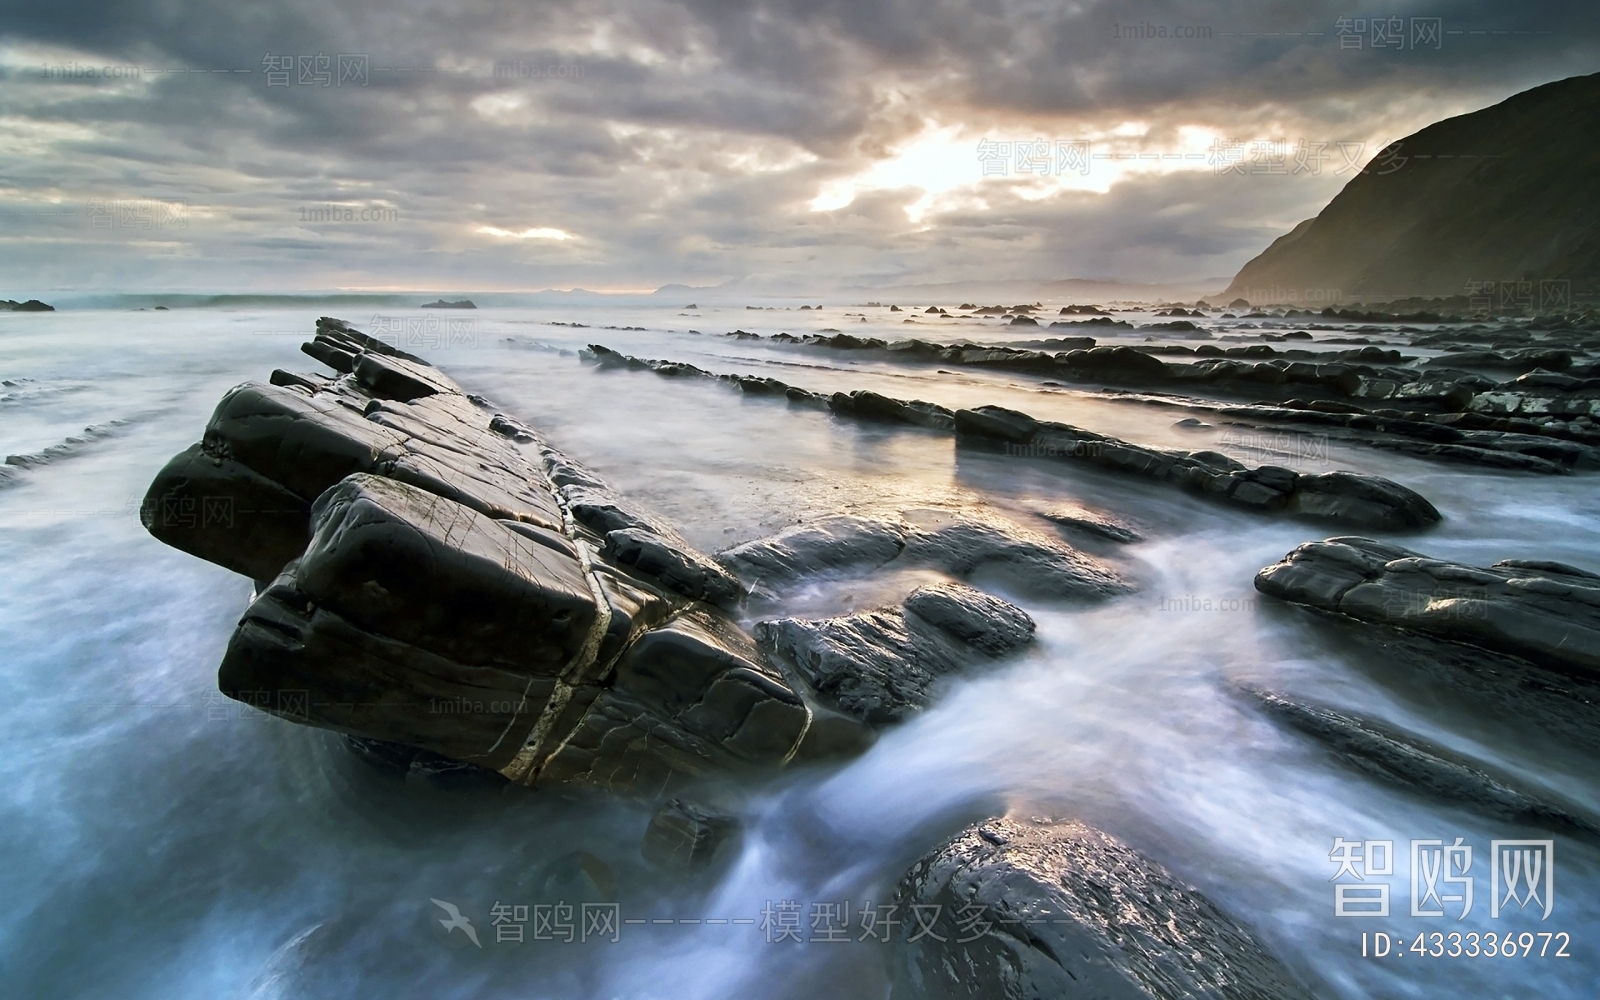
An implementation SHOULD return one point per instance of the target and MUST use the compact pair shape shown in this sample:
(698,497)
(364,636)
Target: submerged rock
(432,770)
(1418,766)
(1488,435)
(1093,522)
(686,836)
(1065,910)
(1546,613)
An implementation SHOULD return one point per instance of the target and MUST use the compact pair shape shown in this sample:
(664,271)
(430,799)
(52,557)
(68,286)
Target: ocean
(163,842)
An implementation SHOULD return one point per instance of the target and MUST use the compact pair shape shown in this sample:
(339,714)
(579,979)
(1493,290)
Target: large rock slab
(432,575)
(1546,613)
(1069,911)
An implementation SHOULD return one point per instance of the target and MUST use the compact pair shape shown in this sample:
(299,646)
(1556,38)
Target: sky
(770,146)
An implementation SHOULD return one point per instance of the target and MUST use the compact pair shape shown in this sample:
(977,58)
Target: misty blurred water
(162,843)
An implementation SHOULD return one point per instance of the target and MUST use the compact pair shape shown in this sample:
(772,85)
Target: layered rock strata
(1343,497)
(431,575)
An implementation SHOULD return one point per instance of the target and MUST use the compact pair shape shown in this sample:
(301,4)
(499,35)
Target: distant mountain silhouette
(1508,193)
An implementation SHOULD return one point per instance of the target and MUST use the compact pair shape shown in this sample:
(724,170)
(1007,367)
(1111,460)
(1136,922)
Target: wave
(11,471)
(23,390)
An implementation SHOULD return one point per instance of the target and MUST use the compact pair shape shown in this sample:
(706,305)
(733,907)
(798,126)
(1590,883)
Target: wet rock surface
(1344,497)
(1530,404)
(1091,522)
(1477,437)
(1545,613)
(962,545)
(685,835)
(1498,696)
(438,583)
(882,666)
(1072,912)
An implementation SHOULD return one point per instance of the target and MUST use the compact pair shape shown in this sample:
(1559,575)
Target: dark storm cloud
(685,141)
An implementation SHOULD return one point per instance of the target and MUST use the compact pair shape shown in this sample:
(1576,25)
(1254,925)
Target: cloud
(702,140)
(543,233)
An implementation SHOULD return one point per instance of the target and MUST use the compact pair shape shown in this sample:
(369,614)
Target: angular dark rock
(1351,498)
(1548,434)
(1547,614)
(873,406)
(1070,911)
(1118,364)
(330,354)
(979,620)
(432,576)
(839,543)
(682,569)
(1485,444)
(395,378)
(422,767)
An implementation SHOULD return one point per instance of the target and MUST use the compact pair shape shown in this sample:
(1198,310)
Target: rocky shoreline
(1458,406)
(570,638)
(441,585)
(1343,497)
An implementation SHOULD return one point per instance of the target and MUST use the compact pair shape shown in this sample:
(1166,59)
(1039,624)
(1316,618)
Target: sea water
(163,842)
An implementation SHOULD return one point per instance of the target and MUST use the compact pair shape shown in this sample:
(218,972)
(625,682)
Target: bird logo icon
(456,921)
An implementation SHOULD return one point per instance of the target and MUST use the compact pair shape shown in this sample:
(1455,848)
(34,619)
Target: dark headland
(1503,194)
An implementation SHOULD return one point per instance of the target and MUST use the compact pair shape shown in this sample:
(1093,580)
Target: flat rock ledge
(1546,613)
(1069,911)
(1344,497)
(431,574)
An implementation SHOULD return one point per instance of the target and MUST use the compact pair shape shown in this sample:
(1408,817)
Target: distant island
(442,304)
(1499,197)
(30,306)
